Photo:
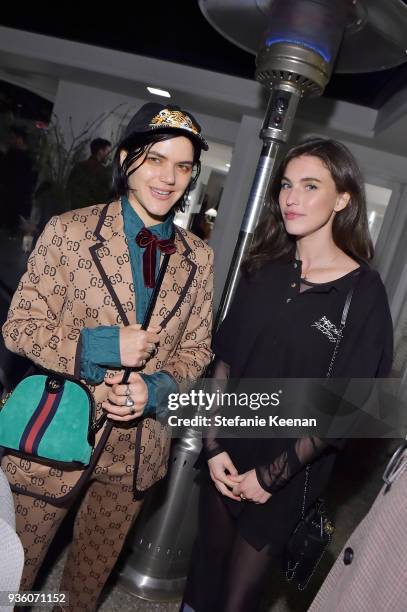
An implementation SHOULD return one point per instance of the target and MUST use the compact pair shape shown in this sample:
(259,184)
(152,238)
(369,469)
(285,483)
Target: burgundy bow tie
(146,240)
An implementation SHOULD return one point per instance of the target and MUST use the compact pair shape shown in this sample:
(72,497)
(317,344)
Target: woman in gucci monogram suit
(310,252)
(78,310)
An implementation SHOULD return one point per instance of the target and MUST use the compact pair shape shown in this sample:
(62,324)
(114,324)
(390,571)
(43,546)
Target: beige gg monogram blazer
(78,276)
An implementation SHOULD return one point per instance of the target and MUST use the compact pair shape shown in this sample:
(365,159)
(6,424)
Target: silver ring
(129,402)
(243,497)
(143,363)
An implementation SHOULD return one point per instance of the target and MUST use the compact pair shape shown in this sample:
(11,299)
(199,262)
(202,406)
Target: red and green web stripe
(39,422)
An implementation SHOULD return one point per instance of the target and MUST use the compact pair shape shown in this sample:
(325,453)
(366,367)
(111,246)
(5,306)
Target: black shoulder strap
(344,317)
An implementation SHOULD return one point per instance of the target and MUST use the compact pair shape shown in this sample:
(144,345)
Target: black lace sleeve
(211,445)
(273,476)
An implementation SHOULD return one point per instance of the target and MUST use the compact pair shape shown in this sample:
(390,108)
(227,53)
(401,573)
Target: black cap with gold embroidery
(154,117)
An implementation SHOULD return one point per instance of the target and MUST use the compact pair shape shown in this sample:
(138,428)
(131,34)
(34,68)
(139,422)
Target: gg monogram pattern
(79,275)
(104,518)
(101,525)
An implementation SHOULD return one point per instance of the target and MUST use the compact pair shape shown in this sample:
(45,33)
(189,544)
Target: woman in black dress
(311,250)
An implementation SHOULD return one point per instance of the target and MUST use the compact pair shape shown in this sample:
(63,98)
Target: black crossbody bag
(313,533)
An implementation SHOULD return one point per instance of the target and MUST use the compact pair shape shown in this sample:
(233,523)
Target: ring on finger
(133,410)
(143,363)
(243,497)
(129,402)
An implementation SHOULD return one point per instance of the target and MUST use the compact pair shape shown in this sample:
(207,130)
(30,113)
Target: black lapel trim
(189,279)
(109,286)
(137,453)
(78,358)
(93,252)
(184,242)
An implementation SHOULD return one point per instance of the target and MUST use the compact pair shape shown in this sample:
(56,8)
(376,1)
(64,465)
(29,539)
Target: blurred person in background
(90,180)
(17,180)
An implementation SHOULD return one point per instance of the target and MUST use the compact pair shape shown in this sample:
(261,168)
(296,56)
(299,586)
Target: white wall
(78,106)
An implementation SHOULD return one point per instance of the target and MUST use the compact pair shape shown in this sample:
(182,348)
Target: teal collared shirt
(132,225)
(101,346)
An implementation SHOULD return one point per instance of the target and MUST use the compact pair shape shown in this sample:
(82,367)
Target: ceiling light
(159,92)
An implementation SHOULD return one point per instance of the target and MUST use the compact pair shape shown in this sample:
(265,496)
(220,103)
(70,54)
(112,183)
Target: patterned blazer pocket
(153,446)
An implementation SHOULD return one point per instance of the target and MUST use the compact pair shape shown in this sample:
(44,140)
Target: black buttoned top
(282,327)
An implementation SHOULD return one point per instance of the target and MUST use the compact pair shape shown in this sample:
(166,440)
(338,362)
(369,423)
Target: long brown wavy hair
(350,228)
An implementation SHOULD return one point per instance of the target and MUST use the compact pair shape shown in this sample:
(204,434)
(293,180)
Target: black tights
(226,573)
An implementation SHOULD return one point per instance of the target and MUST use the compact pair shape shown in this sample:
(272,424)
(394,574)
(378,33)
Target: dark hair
(136,146)
(19,131)
(350,228)
(98,144)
